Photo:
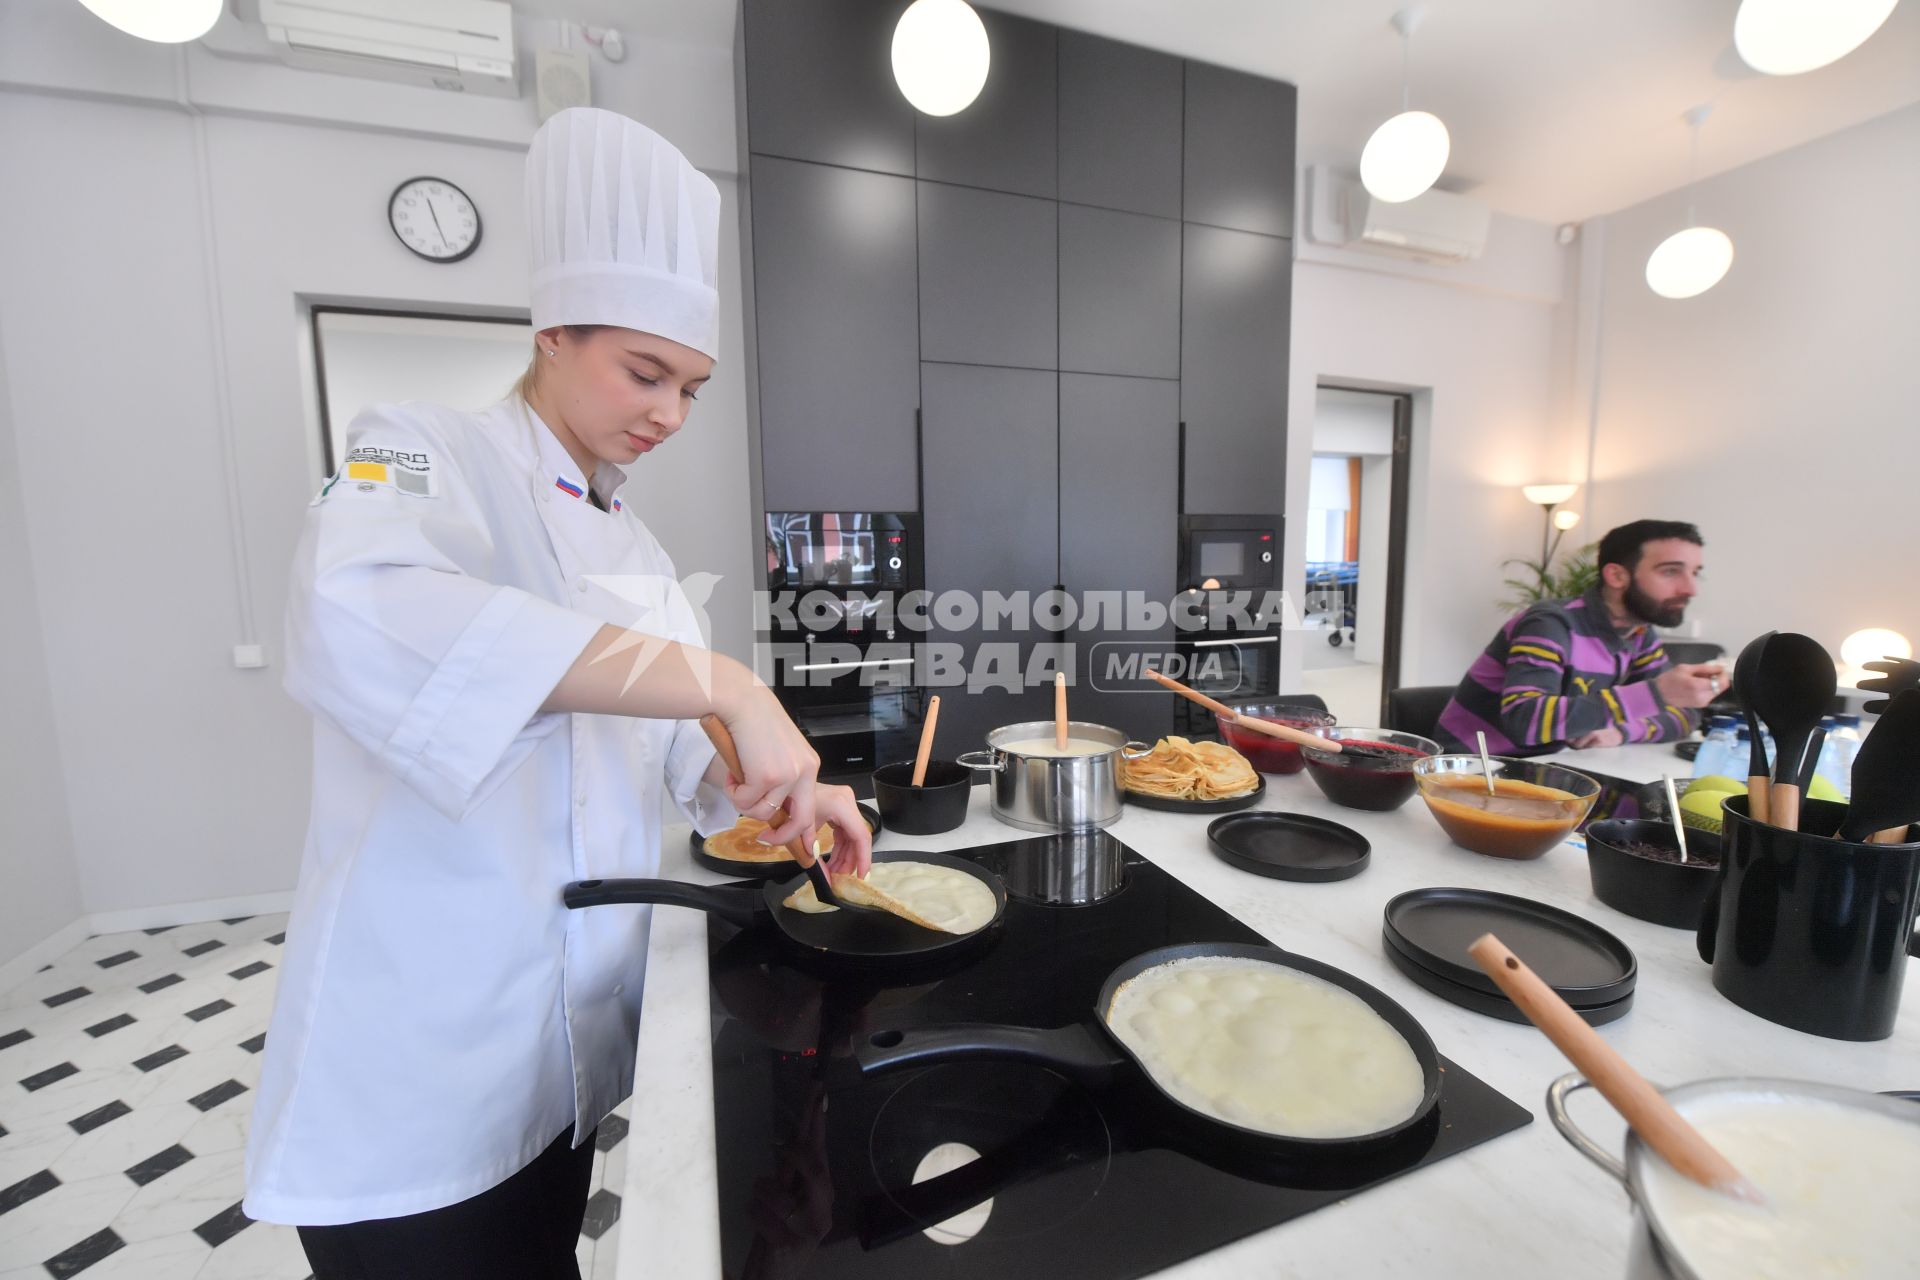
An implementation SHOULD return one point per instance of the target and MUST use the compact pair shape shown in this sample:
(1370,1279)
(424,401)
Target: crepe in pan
(741,843)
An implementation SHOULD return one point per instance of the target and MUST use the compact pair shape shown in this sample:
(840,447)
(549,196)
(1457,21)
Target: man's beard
(1647,609)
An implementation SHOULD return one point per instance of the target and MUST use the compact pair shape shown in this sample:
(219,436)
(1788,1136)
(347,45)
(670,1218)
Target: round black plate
(1581,961)
(1229,804)
(1494,1006)
(763,870)
(1289,846)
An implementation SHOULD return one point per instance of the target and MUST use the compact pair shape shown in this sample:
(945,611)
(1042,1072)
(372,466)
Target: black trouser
(524,1229)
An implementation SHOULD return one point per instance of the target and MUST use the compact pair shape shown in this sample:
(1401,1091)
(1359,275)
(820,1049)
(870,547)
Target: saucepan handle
(1076,1051)
(984,760)
(1134,750)
(1557,1094)
(730,903)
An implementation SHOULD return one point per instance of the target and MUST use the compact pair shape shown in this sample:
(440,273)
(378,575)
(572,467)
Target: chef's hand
(780,766)
(1609,736)
(852,841)
(1689,684)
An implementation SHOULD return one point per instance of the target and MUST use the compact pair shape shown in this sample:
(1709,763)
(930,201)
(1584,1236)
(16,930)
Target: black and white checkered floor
(127,1070)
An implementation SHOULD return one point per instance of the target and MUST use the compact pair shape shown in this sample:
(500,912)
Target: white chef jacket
(441,1017)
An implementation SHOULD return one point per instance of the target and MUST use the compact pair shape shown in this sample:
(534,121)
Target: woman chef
(504,683)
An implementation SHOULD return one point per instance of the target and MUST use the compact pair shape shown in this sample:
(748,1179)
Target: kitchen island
(1524,1204)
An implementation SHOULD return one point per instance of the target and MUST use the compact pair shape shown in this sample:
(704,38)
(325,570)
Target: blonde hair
(523,387)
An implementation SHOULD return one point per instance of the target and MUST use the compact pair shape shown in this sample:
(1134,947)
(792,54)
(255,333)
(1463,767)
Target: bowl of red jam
(1267,754)
(1373,768)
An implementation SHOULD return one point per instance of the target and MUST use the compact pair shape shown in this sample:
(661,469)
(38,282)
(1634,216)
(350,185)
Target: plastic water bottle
(1717,753)
(1836,758)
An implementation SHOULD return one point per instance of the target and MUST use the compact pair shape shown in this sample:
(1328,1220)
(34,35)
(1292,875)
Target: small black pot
(1669,893)
(940,805)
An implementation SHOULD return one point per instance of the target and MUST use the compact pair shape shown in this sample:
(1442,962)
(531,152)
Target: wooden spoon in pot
(1640,1104)
(1267,727)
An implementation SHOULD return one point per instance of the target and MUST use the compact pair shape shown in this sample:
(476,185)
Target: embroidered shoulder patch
(369,469)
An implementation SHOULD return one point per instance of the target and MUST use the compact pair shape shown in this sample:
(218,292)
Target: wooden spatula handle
(1758,809)
(1060,710)
(1783,806)
(1193,695)
(1650,1114)
(1286,732)
(722,738)
(926,742)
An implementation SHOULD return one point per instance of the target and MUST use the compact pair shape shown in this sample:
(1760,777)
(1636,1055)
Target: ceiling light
(940,55)
(1787,37)
(1690,262)
(162,21)
(1407,153)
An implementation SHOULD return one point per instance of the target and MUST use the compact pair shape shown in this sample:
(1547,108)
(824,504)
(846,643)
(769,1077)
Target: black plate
(763,870)
(1494,1006)
(1289,846)
(1230,804)
(1584,963)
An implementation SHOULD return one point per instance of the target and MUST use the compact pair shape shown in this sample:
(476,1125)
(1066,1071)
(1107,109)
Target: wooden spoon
(1640,1104)
(926,742)
(1268,727)
(1060,711)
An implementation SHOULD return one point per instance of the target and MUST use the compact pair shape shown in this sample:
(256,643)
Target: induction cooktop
(994,1168)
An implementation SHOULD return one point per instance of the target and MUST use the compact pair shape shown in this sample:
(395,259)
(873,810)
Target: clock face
(435,219)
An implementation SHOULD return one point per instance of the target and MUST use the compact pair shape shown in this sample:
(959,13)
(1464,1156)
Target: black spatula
(1792,688)
(1886,775)
(1899,673)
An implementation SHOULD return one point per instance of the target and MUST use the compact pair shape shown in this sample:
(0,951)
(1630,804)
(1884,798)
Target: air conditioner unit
(1437,226)
(461,45)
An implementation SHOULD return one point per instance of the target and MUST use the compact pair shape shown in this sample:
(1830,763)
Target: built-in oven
(840,663)
(1229,575)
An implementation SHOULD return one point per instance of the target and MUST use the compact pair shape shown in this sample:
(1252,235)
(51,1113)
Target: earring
(551,353)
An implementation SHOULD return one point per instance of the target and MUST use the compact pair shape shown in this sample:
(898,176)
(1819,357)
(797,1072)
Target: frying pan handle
(734,905)
(981,760)
(1076,1051)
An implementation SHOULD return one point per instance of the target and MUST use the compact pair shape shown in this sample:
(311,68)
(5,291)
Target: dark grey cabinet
(836,320)
(1235,303)
(988,291)
(1119,528)
(1119,293)
(991,517)
(1120,113)
(1005,139)
(819,83)
(1239,150)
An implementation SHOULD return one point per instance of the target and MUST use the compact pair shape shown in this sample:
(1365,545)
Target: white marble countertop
(1524,1204)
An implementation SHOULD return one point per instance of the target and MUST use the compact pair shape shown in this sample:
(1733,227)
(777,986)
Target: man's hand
(1692,684)
(1607,737)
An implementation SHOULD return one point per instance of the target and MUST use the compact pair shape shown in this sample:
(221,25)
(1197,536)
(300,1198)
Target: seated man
(1590,672)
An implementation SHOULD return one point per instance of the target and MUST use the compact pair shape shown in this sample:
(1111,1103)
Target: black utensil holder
(1810,931)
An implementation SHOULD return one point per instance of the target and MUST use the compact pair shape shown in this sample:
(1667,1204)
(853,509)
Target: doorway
(1355,550)
(363,357)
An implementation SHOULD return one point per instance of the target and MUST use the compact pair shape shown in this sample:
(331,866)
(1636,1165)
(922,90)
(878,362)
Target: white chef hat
(624,231)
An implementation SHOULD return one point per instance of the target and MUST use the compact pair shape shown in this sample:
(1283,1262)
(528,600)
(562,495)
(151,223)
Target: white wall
(41,890)
(1476,346)
(185,779)
(1777,410)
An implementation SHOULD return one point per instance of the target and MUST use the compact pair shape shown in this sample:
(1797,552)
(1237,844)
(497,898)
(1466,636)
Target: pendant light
(1690,262)
(940,55)
(1405,155)
(161,21)
(1787,37)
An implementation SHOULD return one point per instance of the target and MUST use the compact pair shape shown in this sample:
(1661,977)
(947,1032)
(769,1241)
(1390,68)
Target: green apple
(1821,789)
(1701,809)
(1718,782)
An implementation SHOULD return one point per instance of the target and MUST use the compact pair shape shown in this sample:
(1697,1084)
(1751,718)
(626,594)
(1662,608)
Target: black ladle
(1792,688)
(1746,669)
(1886,775)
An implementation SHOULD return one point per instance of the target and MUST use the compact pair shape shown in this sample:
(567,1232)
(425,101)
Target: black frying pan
(1090,1053)
(858,938)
